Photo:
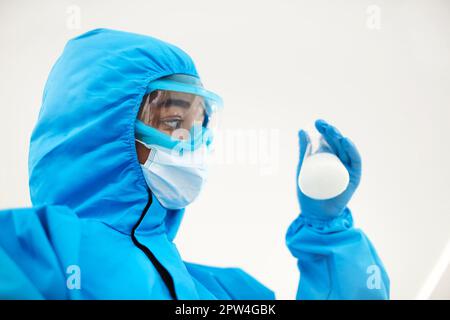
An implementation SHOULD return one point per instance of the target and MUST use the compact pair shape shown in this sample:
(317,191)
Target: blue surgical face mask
(175,178)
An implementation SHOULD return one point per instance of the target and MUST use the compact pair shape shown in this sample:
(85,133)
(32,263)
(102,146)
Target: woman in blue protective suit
(118,152)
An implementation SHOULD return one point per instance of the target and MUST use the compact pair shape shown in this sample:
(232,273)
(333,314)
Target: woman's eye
(172,124)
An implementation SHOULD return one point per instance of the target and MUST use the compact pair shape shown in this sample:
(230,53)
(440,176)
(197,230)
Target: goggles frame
(152,136)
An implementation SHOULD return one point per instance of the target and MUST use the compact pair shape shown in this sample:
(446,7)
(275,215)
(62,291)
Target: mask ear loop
(151,155)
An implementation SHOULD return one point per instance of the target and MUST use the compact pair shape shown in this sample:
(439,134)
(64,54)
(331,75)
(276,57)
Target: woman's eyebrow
(175,102)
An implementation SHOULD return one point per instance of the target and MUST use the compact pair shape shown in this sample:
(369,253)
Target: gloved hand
(349,156)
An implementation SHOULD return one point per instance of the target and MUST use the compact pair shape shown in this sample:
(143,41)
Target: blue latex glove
(349,156)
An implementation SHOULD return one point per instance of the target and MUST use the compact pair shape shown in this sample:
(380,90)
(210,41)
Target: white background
(279,65)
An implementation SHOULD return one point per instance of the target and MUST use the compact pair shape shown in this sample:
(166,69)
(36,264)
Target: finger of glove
(333,137)
(353,154)
(303,140)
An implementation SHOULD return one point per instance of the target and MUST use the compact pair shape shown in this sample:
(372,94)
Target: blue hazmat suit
(95,230)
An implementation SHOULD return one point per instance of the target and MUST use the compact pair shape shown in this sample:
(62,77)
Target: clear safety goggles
(177,114)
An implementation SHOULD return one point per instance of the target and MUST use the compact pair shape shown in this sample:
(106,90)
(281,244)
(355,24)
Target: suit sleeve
(37,245)
(335,260)
(227,284)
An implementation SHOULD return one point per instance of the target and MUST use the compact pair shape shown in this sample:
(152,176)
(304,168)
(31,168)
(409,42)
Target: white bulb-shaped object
(323,176)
